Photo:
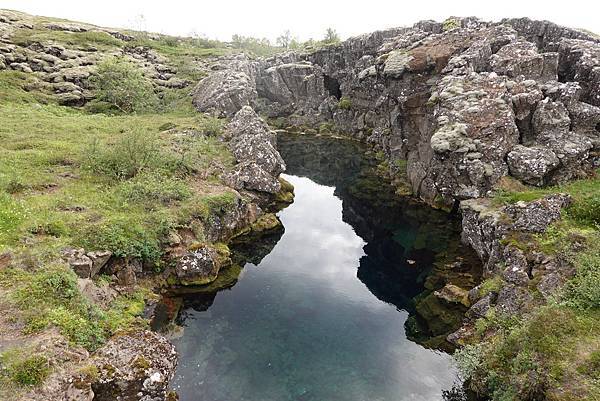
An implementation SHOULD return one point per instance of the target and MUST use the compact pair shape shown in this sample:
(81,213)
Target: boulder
(250,175)
(81,264)
(532,165)
(453,294)
(536,216)
(198,267)
(134,366)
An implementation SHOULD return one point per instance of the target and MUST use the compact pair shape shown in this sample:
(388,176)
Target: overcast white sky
(305,18)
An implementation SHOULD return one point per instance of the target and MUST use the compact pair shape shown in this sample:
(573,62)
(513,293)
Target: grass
(82,40)
(48,168)
(554,350)
(26,369)
(73,178)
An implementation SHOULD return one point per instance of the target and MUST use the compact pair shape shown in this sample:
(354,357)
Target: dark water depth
(337,307)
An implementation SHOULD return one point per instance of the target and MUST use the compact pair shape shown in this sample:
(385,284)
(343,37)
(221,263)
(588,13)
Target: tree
(285,39)
(331,36)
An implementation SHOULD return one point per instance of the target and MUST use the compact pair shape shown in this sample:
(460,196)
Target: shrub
(469,359)
(345,103)
(30,371)
(121,84)
(155,187)
(583,291)
(134,152)
(123,238)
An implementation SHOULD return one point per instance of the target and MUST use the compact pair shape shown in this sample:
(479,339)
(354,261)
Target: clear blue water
(322,316)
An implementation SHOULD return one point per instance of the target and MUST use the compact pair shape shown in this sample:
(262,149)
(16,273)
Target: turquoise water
(322,316)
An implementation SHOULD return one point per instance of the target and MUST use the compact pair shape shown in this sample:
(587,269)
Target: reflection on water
(323,315)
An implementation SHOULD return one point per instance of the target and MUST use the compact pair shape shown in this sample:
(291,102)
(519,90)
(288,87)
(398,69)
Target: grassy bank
(555,349)
(118,181)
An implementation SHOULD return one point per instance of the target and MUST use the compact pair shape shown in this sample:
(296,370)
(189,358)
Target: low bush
(134,152)
(124,238)
(345,103)
(30,371)
(154,187)
(122,85)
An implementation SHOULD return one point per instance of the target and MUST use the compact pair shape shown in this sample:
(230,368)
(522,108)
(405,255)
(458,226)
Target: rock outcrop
(63,68)
(464,103)
(254,148)
(503,239)
(134,366)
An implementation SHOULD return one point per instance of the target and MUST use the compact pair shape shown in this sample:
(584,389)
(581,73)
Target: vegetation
(122,85)
(119,174)
(331,36)
(23,368)
(450,23)
(554,349)
(345,103)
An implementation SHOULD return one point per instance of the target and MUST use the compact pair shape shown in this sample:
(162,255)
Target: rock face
(136,366)
(463,106)
(253,146)
(502,237)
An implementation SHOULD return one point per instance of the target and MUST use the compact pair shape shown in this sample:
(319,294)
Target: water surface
(323,315)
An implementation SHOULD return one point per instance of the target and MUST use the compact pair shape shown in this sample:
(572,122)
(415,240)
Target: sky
(219,19)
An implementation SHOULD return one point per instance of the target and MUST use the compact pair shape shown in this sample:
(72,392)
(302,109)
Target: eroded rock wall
(464,103)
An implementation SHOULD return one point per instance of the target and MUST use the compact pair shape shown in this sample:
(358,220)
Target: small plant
(211,126)
(345,103)
(450,23)
(134,152)
(30,371)
(155,187)
(469,359)
(121,85)
(586,210)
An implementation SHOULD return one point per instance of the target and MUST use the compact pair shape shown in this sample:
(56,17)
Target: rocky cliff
(465,102)
(469,108)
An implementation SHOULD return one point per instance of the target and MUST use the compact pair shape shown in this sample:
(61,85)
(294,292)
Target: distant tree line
(285,41)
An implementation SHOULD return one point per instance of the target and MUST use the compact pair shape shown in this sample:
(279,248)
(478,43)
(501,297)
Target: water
(324,315)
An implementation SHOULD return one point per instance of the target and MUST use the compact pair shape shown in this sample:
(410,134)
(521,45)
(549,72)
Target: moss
(141,363)
(89,373)
(345,103)
(226,278)
(450,23)
(326,128)
(266,222)
(492,284)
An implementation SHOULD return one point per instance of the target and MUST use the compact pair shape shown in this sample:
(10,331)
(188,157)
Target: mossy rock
(265,223)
